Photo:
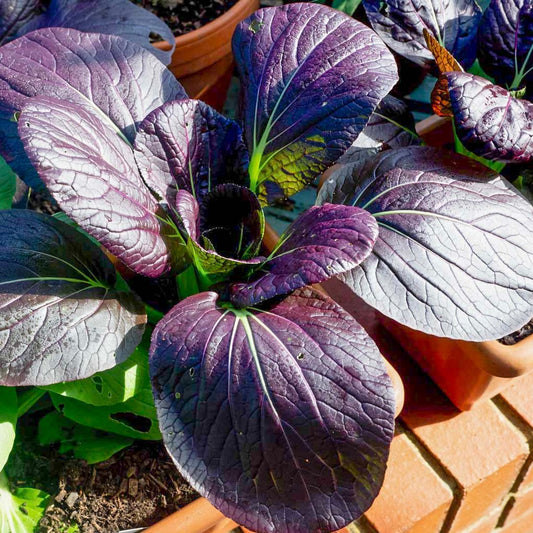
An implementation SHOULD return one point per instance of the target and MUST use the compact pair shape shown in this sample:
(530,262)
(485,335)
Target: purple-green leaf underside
(323,242)
(124,81)
(60,317)
(311,76)
(489,121)
(188,145)
(114,17)
(505,39)
(400,23)
(454,256)
(91,173)
(282,419)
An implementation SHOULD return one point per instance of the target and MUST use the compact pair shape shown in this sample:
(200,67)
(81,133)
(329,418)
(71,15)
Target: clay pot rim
(208,29)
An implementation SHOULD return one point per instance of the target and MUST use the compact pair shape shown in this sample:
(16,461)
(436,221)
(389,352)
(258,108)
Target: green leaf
(20,511)
(135,418)
(346,6)
(8,185)
(8,422)
(85,443)
(113,386)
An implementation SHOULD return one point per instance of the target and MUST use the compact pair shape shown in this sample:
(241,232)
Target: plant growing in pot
(490,124)
(203,61)
(250,367)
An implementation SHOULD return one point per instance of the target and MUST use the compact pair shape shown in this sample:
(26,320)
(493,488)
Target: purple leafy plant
(274,403)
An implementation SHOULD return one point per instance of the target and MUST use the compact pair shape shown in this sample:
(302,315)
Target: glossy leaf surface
(188,145)
(323,242)
(107,71)
(311,77)
(452,258)
(505,40)
(60,317)
(489,121)
(117,385)
(400,23)
(282,419)
(114,17)
(91,173)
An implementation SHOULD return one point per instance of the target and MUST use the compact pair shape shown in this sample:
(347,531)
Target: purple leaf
(282,419)
(454,256)
(489,121)
(124,81)
(91,173)
(188,145)
(390,126)
(60,317)
(323,242)
(505,40)
(311,76)
(400,23)
(14,14)
(115,17)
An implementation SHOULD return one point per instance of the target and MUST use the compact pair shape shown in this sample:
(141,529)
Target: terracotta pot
(467,372)
(203,61)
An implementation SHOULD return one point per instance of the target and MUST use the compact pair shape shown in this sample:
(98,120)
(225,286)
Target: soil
(517,336)
(183,16)
(136,487)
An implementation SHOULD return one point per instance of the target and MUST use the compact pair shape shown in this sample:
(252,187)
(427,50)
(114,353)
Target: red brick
(522,525)
(487,524)
(523,504)
(520,397)
(413,498)
(480,449)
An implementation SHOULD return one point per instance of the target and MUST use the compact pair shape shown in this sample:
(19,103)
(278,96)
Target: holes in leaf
(98,383)
(300,356)
(136,422)
(191,372)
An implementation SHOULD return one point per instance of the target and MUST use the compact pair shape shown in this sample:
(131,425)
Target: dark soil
(517,336)
(135,488)
(183,16)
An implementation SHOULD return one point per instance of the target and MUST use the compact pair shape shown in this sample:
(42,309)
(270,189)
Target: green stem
(28,399)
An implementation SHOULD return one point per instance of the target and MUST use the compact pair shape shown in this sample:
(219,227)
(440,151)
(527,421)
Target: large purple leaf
(14,14)
(400,23)
(323,242)
(115,17)
(91,173)
(489,121)
(506,39)
(124,81)
(188,145)
(454,256)
(282,419)
(60,317)
(311,76)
